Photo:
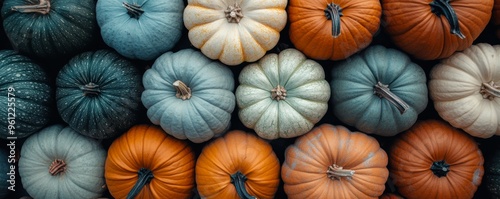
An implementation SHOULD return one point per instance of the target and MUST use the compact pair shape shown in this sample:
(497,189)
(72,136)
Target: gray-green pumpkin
(188,95)
(58,162)
(379,91)
(25,95)
(99,93)
(282,95)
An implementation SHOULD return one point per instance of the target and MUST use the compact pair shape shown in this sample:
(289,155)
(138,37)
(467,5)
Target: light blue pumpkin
(140,29)
(359,98)
(188,95)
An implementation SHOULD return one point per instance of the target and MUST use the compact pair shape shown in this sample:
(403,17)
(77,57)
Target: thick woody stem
(490,90)
(383,91)
(133,10)
(57,166)
(278,93)
(333,12)
(336,172)
(233,13)
(43,7)
(91,89)
(183,91)
(443,7)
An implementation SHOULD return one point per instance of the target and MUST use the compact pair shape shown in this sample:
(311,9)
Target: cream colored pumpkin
(282,96)
(465,89)
(235,31)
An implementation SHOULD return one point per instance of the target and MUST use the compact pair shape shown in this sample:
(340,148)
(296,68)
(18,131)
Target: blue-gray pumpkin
(379,91)
(189,96)
(59,163)
(25,95)
(99,93)
(50,28)
(140,29)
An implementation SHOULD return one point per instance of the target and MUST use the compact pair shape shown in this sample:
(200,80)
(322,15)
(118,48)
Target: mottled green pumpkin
(99,93)
(25,95)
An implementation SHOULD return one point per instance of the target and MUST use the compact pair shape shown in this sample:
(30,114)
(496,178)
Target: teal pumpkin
(25,95)
(5,165)
(57,162)
(50,28)
(492,173)
(99,93)
(140,29)
(188,95)
(379,91)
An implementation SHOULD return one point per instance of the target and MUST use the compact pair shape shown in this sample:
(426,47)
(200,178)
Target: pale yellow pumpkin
(235,31)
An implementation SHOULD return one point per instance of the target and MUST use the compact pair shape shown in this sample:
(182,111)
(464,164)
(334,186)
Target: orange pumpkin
(335,30)
(434,160)
(145,162)
(333,162)
(435,29)
(237,165)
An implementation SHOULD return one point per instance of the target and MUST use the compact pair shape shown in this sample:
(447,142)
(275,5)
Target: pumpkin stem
(134,10)
(490,90)
(383,91)
(145,176)
(238,179)
(90,89)
(334,12)
(57,166)
(233,13)
(440,168)
(183,91)
(336,172)
(43,7)
(278,93)
(439,7)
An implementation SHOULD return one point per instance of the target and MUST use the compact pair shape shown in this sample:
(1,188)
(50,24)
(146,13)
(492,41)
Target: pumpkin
(50,28)
(465,90)
(188,95)
(435,29)
(144,29)
(492,173)
(237,165)
(98,93)
(145,163)
(379,91)
(25,95)
(58,162)
(390,196)
(282,95)
(333,30)
(435,160)
(7,172)
(235,31)
(334,162)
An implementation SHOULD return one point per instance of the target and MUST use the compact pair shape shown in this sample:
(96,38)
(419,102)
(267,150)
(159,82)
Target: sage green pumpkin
(99,93)
(188,95)
(379,91)
(58,162)
(50,28)
(282,95)
(25,95)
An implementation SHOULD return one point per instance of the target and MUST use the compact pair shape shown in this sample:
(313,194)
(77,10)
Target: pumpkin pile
(249,99)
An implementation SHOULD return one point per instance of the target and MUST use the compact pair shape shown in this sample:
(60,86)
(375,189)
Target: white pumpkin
(282,96)
(235,31)
(465,89)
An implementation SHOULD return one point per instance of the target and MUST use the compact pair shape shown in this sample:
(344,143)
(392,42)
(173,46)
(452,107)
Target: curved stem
(439,7)
(440,168)
(145,176)
(336,172)
(90,89)
(183,91)
(334,12)
(233,13)
(490,90)
(278,93)
(238,179)
(43,7)
(57,166)
(383,91)
(134,10)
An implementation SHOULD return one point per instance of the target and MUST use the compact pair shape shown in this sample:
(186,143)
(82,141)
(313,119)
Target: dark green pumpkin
(99,93)
(25,95)
(55,28)
(492,174)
